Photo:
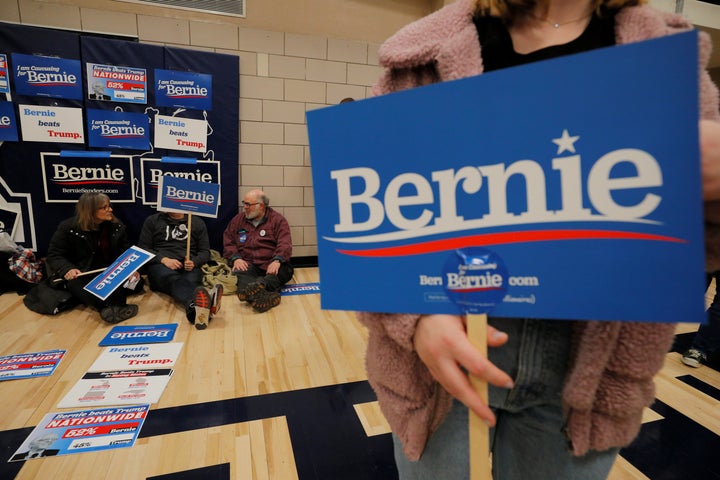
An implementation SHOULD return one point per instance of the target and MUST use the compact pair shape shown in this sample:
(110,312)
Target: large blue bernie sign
(581,174)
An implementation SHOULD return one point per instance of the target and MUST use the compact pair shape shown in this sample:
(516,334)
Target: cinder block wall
(284,71)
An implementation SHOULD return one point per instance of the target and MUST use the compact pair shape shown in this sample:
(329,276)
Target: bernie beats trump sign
(580,173)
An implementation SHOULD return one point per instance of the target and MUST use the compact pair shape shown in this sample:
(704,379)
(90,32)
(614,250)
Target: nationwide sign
(36,75)
(65,433)
(69,174)
(588,192)
(116,84)
(4,77)
(29,365)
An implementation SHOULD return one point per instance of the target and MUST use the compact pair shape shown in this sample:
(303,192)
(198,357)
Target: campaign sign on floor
(83,431)
(134,334)
(118,272)
(131,357)
(300,289)
(188,196)
(117,387)
(125,375)
(28,365)
(581,173)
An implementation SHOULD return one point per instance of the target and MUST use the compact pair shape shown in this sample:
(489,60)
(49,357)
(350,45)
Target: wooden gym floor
(283,395)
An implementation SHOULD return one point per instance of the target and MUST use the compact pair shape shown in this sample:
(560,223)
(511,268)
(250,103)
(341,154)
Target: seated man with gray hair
(258,246)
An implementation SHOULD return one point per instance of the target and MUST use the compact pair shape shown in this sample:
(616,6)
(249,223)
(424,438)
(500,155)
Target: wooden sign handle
(189,237)
(479,430)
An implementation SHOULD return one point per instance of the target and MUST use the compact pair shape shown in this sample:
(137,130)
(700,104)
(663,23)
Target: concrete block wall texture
(282,76)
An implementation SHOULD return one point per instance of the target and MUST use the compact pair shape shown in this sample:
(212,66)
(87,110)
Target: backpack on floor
(217,270)
(48,299)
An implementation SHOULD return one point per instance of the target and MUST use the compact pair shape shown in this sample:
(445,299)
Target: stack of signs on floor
(119,387)
(125,375)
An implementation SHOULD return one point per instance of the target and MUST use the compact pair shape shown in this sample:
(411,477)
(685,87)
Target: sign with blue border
(135,334)
(4,77)
(174,88)
(118,272)
(116,83)
(111,129)
(64,433)
(153,169)
(300,289)
(40,76)
(70,173)
(8,123)
(29,365)
(188,196)
(581,173)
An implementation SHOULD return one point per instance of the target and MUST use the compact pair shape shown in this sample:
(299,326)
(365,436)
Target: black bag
(49,300)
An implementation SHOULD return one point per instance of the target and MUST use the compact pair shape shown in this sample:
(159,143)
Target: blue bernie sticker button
(475,279)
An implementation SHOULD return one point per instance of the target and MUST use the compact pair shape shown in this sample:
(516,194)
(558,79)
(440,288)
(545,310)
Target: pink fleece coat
(610,379)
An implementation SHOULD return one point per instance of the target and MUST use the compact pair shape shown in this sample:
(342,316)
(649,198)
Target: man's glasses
(247,204)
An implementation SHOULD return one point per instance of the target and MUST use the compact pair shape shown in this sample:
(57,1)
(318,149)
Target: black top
(498,52)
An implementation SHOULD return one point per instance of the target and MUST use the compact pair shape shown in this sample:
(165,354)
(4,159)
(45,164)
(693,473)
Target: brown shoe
(265,300)
(251,290)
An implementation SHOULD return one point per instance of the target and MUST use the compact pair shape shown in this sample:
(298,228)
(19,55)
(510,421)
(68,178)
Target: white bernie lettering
(488,280)
(197,175)
(63,172)
(38,77)
(109,130)
(173,192)
(418,191)
(175,91)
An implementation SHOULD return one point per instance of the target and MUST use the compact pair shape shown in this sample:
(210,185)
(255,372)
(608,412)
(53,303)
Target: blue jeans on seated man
(527,441)
(179,284)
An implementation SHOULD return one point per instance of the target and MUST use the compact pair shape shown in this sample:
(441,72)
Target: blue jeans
(707,339)
(527,442)
(179,284)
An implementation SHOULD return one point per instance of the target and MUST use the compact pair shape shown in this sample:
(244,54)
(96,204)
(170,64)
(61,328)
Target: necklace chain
(560,24)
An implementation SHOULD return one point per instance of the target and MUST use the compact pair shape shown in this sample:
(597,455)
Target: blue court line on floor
(329,442)
(212,472)
(675,448)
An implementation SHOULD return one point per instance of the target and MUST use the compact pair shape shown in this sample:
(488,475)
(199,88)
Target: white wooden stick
(479,430)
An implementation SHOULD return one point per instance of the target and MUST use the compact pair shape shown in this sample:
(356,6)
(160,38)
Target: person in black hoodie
(176,269)
(91,240)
